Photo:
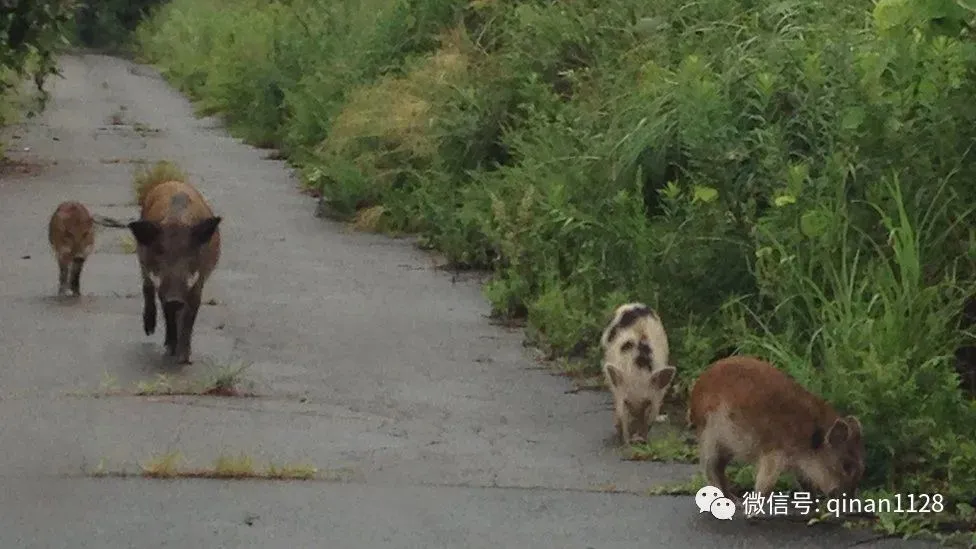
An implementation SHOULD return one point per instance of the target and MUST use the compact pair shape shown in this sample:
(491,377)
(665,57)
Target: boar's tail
(109,222)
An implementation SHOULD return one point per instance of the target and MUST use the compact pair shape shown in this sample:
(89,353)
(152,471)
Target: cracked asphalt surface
(434,427)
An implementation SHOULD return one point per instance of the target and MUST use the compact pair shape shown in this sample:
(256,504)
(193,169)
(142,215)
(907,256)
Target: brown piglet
(178,245)
(71,232)
(636,368)
(745,409)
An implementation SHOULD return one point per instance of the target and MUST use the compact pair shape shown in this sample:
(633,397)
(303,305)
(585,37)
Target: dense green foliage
(109,23)
(31,31)
(788,178)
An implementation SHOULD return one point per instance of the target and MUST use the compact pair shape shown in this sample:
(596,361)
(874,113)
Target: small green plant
(161,385)
(127,243)
(109,383)
(225,380)
(672,446)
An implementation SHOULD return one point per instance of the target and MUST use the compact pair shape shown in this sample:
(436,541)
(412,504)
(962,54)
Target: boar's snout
(638,439)
(173,306)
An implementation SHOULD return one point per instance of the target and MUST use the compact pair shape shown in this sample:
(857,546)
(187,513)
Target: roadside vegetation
(107,25)
(787,179)
(31,33)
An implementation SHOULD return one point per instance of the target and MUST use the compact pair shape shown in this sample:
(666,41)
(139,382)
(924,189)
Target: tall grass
(865,329)
(791,178)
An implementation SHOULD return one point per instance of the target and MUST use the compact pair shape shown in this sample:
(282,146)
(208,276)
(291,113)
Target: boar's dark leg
(63,278)
(187,319)
(76,276)
(170,315)
(148,306)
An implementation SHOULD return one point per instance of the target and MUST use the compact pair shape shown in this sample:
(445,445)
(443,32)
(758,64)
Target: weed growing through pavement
(240,466)
(223,379)
(127,243)
(163,466)
(226,379)
(670,447)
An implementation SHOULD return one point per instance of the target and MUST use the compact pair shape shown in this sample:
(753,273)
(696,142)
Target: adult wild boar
(744,408)
(178,244)
(635,364)
(71,232)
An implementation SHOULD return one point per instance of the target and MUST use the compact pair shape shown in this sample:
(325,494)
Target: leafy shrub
(109,23)
(31,31)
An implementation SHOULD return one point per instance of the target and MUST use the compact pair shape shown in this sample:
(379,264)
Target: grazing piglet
(178,244)
(635,364)
(71,233)
(745,409)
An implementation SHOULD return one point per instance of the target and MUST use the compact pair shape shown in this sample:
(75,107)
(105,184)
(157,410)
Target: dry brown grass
(369,219)
(223,380)
(387,125)
(145,178)
(225,467)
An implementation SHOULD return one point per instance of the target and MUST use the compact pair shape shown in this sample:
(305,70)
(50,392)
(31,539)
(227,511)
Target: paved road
(436,428)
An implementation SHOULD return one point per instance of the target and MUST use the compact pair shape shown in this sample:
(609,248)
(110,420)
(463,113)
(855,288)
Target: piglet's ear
(614,374)
(145,232)
(203,231)
(662,378)
(839,432)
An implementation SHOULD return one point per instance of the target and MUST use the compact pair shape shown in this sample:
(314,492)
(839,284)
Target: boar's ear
(145,232)
(204,230)
(662,378)
(838,433)
(855,424)
(614,374)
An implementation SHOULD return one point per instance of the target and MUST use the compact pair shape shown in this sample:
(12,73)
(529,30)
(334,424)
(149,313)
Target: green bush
(786,178)
(109,23)
(31,32)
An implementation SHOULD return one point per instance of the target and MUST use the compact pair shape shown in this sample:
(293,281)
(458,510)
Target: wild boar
(636,367)
(178,245)
(71,232)
(745,409)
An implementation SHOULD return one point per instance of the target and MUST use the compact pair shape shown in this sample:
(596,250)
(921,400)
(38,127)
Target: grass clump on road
(672,447)
(127,243)
(224,380)
(791,180)
(225,467)
(146,177)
